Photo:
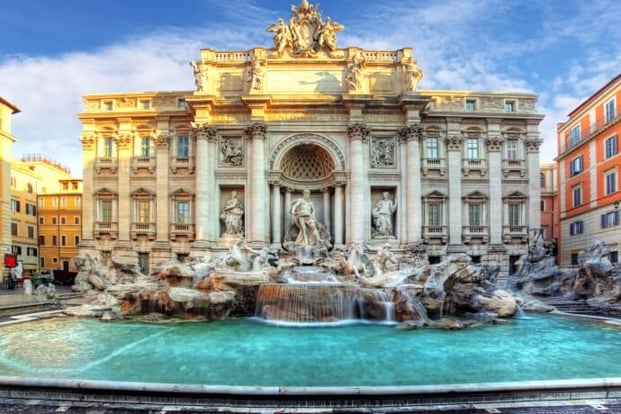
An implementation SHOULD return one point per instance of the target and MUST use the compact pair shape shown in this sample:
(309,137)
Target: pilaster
(454,144)
(257,186)
(124,143)
(411,135)
(359,212)
(494,150)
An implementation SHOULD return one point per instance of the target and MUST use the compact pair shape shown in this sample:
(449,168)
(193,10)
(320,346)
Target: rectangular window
(576,166)
(611,147)
(14,228)
(183,146)
(63,220)
(143,213)
(63,202)
(182,104)
(471,105)
(574,259)
(76,240)
(54,240)
(77,202)
(15,206)
(31,232)
(432,147)
(542,205)
(76,219)
(63,240)
(183,212)
(145,104)
(577,195)
(575,228)
(108,145)
(41,202)
(510,106)
(472,148)
(514,215)
(475,214)
(574,135)
(41,220)
(54,220)
(435,214)
(108,106)
(31,209)
(54,201)
(105,211)
(611,182)
(512,149)
(610,219)
(610,111)
(145,147)
(41,240)
(613,257)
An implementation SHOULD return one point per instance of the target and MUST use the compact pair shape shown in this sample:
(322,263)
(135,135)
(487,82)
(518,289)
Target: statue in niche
(382,216)
(232,213)
(354,77)
(413,75)
(200,76)
(255,76)
(303,212)
(383,153)
(231,152)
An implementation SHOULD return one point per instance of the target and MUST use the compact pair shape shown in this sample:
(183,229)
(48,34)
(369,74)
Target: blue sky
(55,51)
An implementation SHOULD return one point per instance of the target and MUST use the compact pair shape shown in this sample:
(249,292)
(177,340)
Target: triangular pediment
(516,195)
(476,195)
(436,194)
(104,192)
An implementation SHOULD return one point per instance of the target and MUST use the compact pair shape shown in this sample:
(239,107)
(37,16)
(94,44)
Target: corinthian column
(124,144)
(358,207)
(453,149)
(494,148)
(255,134)
(411,134)
(532,142)
(162,142)
(89,158)
(204,176)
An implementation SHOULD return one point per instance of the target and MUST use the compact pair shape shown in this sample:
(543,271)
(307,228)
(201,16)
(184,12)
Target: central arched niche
(307,166)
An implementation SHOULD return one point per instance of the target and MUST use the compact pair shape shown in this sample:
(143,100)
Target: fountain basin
(249,353)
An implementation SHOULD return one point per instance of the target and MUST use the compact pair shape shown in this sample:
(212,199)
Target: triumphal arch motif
(307,127)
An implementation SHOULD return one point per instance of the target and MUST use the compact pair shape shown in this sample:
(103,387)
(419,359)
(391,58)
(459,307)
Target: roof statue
(306,34)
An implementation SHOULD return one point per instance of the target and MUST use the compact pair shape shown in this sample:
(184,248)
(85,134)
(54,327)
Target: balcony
(182,231)
(106,164)
(435,233)
(594,129)
(515,234)
(143,163)
(509,166)
(108,229)
(143,230)
(433,164)
(474,234)
(475,164)
(177,163)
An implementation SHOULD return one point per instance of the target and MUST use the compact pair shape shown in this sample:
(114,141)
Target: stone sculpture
(355,73)
(303,212)
(231,153)
(382,216)
(413,75)
(200,76)
(232,214)
(255,76)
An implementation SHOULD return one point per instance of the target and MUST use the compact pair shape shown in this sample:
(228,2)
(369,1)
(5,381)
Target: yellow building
(33,177)
(7,110)
(60,227)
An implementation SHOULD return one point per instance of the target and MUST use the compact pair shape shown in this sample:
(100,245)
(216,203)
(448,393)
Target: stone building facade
(170,174)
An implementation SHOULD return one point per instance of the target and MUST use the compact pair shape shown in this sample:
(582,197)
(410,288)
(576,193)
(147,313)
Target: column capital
(88,141)
(124,140)
(412,132)
(494,143)
(358,131)
(454,142)
(532,143)
(204,131)
(256,130)
(162,138)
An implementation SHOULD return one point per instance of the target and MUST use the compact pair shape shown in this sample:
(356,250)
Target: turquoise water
(248,352)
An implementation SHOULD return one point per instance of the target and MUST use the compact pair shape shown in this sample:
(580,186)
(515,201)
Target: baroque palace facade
(172,174)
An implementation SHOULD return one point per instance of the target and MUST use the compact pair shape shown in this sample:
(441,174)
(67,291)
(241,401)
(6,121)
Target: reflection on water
(247,352)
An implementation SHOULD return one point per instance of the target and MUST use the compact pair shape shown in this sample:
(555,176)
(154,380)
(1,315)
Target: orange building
(589,165)
(60,227)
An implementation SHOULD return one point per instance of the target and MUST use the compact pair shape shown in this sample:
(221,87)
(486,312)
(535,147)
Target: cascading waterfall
(306,302)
